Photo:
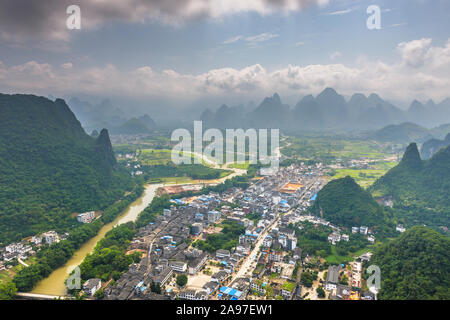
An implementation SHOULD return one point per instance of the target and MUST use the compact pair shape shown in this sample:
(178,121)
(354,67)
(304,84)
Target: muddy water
(54,284)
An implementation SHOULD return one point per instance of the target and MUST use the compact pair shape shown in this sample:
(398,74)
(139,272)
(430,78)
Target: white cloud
(421,72)
(335,55)
(252,40)
(414,52)
(339,13)
(25,20)
(233,39)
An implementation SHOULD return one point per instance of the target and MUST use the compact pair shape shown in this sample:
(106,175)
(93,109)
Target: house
(258,286)
(276,267)
(198,263)
(91,286)
(345,237)
(400,228)
(355,230)
(210,287)
(291,243)
(219,276)
(221,253)
(275,256)
(332,278)
(36,240)
(287,290)
(371,238)
(163,276)
(334,237)
(86,217)
(196,228)
(243,249)
(190,294)
(50,237)
(213,216)
(178,266)
(267,242)
(363,230)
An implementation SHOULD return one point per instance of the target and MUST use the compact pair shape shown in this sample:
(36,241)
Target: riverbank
(54,284)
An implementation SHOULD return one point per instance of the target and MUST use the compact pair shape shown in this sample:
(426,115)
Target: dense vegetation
(56,255)
(314,241)
(195,171)
(154,209)
(344,203)
(109,259)
(50,168)
(420,189)
(416,265)
(226,239)
(7,290)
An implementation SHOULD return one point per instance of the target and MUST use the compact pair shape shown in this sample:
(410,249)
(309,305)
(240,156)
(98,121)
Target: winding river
(54,284)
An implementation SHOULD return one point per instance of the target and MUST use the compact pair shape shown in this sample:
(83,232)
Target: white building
(50,237)
(363,230)
(91,286)
(178,266)
(86,217)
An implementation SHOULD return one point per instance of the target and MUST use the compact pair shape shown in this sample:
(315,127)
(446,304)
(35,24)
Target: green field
(364,177)
(329,149)
(243,166)
(153,157)
(334,258)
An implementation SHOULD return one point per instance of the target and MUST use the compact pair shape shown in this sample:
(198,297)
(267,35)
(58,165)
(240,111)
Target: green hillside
(416,265)
(420,189)
(344,203)
(50,168)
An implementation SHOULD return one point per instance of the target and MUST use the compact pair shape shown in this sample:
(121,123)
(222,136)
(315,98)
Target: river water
(54,284)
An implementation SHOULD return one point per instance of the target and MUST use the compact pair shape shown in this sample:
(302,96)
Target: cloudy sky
(188,51)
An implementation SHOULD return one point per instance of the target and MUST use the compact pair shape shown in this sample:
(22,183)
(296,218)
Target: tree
(7,290)
(155,287)
(182,280)
(99,294)
(320,292)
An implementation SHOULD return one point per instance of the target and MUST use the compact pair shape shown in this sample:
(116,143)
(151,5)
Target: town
(263,261)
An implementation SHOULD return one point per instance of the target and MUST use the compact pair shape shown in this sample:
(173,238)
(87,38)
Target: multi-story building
(86,217)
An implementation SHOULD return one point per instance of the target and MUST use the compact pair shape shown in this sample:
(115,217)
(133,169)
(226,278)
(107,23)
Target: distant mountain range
(430,147)
(50,168)
(106,115)
(328,111)
(406,132)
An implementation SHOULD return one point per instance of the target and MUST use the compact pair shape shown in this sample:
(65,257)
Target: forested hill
(416,265)
(344,203)
(420,188)
(50,168)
